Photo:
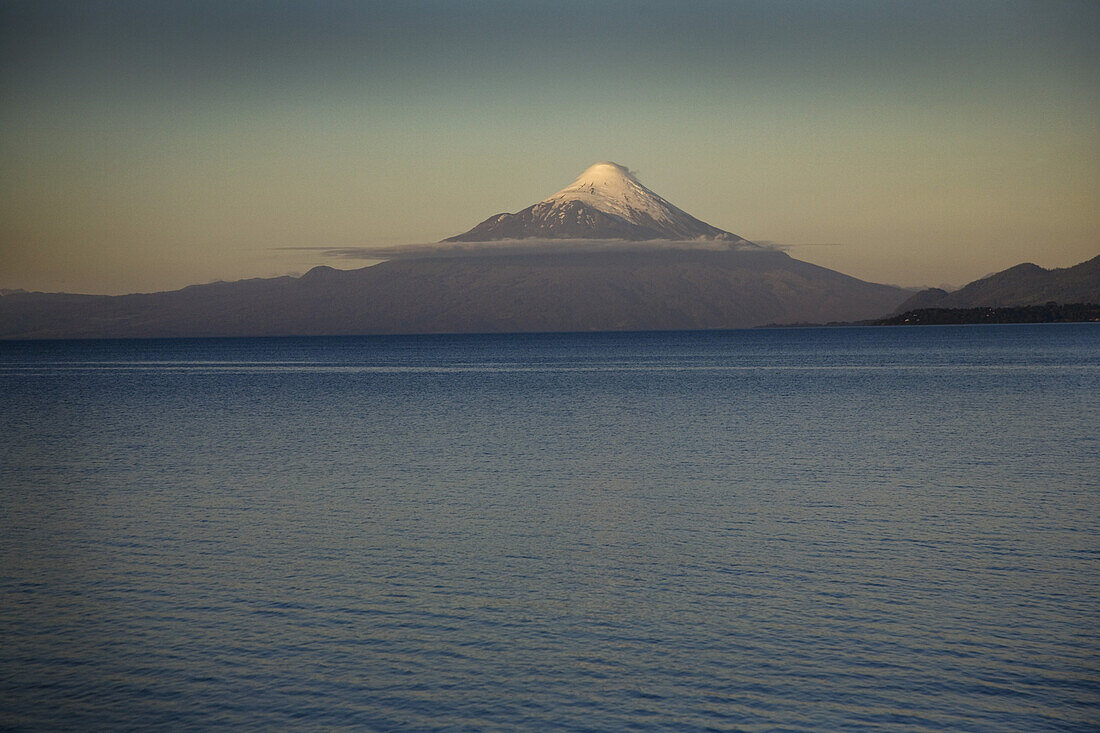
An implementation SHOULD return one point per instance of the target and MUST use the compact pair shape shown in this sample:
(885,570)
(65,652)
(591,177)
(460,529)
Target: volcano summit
(605,202)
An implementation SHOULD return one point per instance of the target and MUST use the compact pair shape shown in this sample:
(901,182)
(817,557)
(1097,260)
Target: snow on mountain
(605,202)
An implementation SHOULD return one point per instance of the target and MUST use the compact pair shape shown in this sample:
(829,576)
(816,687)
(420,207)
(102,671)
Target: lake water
(803,529)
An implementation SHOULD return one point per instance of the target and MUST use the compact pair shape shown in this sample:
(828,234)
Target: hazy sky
(149,145)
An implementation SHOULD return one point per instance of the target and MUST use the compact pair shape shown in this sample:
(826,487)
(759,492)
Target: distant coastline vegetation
(1051,312)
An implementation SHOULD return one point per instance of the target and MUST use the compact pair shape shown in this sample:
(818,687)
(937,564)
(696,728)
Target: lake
(775,529)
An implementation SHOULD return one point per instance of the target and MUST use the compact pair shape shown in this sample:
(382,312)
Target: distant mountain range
(603,254)
(1025,284)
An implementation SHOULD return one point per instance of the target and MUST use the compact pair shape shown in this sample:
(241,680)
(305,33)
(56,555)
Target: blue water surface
(787,529)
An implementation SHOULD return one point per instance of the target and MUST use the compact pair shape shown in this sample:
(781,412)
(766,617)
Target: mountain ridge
(1020,285)
(525,293)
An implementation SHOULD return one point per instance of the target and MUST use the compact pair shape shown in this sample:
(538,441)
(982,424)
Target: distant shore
(1049,313)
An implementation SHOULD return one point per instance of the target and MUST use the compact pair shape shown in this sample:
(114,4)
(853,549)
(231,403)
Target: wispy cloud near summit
(507,247)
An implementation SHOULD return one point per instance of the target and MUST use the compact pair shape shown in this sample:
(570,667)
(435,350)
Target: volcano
(603,254)
(605,202)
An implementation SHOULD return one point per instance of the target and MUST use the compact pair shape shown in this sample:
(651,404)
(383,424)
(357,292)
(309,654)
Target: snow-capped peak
(613,189)
(605,202)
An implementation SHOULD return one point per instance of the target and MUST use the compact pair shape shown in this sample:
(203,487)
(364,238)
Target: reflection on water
(794,529)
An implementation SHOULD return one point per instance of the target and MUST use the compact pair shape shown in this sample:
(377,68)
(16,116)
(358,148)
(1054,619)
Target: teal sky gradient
(150,145)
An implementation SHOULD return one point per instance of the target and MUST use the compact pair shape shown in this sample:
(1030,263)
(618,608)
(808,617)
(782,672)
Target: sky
(148,145)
